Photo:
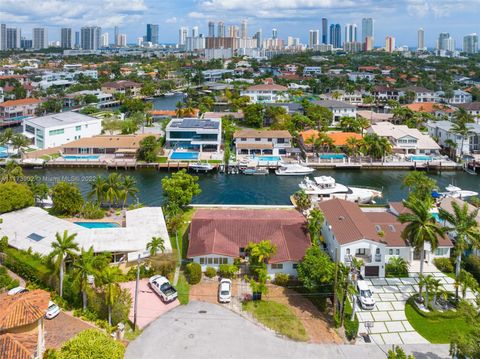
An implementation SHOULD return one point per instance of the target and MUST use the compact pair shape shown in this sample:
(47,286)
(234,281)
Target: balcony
(366,258)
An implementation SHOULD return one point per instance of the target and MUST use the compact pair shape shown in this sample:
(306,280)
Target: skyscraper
(445,42)
(351,33)
(66,38)
(421,40)
(470,44)
(221,29)
(14,36)
(258,36)
(313,38)
(324,31)
(274,33)
(115,35)
(195,31)
(152,34)
(77,39)
(233,31)
(182,36)
(336,36)
(104,40)
(367,28)
(40,39)
(211,29)
(389,44)
(90,37)
(244,29)
(122,40)
(3,37)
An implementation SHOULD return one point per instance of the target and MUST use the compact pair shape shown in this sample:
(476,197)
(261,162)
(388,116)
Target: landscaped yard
(436,330)
(183,233)
(183,289)
(278,317)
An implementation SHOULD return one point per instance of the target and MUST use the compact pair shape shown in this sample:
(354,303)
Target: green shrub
(193,272)
(281,279)
(227,270)
(351,326)
(164,263)
(3,243)
(7,282)
(15,196)
(67,199)
(443,264)
(92,343)
(92,210)
(29,266)
(99,310)
(472,265)
(210,272)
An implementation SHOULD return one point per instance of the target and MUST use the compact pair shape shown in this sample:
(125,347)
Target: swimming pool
(76,158)
(3,152)
(335,156)
(421,158)
(93,225)
(184,156)
(267,158)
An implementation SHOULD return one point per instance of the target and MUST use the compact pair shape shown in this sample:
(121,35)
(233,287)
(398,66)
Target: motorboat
(456,192)
(325,187)
(255,171)
(169,93)
(200,166)
(293,170)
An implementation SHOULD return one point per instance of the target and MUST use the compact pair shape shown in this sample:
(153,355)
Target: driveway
(61,328)
(150,306)
(204,330)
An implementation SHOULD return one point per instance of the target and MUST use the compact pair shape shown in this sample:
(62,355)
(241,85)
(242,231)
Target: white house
(202,135)
(60,128)
(266,93)
(270,142)
(309,71)
(458,97)
(442,130)
(421,94)
(339,109)
(472,108)
(361,76)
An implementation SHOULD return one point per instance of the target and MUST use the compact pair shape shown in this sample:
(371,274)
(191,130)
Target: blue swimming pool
(184,156)
(335,156)
(92,225)
(80,158)
(267,158)
(3,152)
(421,158)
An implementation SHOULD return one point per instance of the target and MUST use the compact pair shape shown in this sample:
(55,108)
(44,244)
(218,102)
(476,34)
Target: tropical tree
(430,283)
(302,200)
(179,190)
(19,142)
(467,280)
(460,128)
(463,224)
(260,252)
(128,189)
(397,266)
(108,279)
(375,146)
(97,190)
(112,188)
(316,269)
(12,172)
(63,247)
(315,223)
(419,185)
(6,136)
(83,267)
(353,146)
(155,245)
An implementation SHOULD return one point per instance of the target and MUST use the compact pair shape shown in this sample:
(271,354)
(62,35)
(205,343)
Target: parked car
(225,291)
(52,311)
(17,290)
(365,295)
(163,288)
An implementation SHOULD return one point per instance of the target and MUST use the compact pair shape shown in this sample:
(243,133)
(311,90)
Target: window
(441,251)
(258,139)
(361,251)
(29,129)
(243,139)
(397,251)
(210,260)
(280,140)
(277,265)
(78,128)
(390,251)
(269,139)
(348,251)
(202,260)
(377,251)
(295,265)
(224,260)
(60,131)
(215,260)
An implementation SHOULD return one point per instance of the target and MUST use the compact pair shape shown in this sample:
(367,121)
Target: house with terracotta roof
(122,87)
(16,110)
(373,235)
(262,142)
(218,236)
(266,93)
(22,333)
(339,138)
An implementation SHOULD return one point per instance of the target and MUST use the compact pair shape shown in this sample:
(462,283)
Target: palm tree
(398,265)
(452,146)
(430,283)
(262,251)
(128,189)
(19,141)
(11,172)
(155,245)
(461,129)
(464,225)
(108,280)
(421,227)
(83,268)
(353,146)
(315,223)
(376,146)
(467,280)
(63,247)
(6,136)
(98,189)
(436,288)
(302,200)
(112,187)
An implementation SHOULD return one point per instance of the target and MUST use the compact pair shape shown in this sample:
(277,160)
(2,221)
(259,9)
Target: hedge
(210,272)
(15,196)
(472,265)
(91,343)
(443,264)
(6,281)
(193,272)
(431,314)
(227,270)
(28,266)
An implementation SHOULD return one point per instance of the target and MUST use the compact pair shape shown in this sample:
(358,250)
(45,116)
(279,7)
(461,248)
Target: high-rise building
(421,40)
(182,36)
(90,37)
(336,36)
(3,37)
(221,29)
(389,44)
(367,28)
(258,36)
(104,40)
(274,34)
(152,34)
(77,39)
(116,32)
(368,44)
(122,40)
(324,31)
(313,38)
(233,31)
(211,29)
(40,38)
(66,38)
(14,36)
(244,29)
(445,42)
(470,44)
(26,44)
(195,31)
(351,33)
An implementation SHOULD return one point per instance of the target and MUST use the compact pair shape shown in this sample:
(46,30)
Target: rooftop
(187,123)
(23,101)
(387,129)
(119,141)
(334,104)
(262,134)
(23,309)
(339,138)
(267,87)
(60,119)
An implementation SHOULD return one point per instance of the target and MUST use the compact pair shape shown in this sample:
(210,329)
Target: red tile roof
(390,226)
(22,309)
(267,87)
(18,345)
(23,101)
(224,232)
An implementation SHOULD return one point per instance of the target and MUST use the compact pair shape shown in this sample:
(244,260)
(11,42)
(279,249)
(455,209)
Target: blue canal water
(219,188)
(167,102)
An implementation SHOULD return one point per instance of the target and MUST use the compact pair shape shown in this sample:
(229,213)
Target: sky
(398,18)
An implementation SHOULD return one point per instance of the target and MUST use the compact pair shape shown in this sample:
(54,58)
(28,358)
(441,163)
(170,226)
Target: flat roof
(60,119)
(209,124)
(119,141)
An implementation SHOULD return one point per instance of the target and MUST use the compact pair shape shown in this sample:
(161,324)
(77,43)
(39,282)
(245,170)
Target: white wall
(287,269)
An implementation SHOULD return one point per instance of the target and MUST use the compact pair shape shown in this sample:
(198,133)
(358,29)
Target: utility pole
(136,294)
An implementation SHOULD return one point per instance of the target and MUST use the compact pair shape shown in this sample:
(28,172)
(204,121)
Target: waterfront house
(266,93)
(57,129)
(259,142)
(124,87)
(339,109)
(216,75)
(104,100)
(442,130)
(218,236)
(372,235)
(202,135)
(458,97)
(353,98)
(14,111)
(312,71)
(22,332)
(361,76)
(405,140)
(339,139)
(438,110)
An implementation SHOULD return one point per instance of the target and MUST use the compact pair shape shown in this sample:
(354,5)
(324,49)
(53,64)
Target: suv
(365,295)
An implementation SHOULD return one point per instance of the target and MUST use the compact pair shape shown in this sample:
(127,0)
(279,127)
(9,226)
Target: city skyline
(401,19)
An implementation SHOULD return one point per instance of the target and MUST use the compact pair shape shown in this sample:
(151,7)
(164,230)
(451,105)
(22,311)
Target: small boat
(293,170)
(169,94)
(325,187)
(255,171)
(456,192)
(199,166)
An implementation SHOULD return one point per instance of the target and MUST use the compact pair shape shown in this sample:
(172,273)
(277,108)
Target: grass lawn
(436,330)
(183,233)
(183,289)
(278,317)
(162,159)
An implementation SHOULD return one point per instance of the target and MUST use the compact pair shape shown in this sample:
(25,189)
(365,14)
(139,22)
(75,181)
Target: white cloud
(440,8)
(171,20)
(197,15)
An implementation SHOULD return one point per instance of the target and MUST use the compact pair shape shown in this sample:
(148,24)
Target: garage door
(372,271)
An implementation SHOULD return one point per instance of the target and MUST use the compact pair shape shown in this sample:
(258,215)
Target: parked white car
(225,291)
(365,295)
(17,290)
(163,288)
(52,311)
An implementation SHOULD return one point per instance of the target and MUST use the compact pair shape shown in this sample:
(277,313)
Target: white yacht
(293,170)
(325,187)
(199,166)
(456,192)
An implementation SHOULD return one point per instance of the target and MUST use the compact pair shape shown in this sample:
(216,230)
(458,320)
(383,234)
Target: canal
(219,188)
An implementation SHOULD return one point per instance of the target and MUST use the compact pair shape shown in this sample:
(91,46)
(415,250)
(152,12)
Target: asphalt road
(205,330)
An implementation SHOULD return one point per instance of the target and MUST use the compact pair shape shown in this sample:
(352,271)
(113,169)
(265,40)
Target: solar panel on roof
(36,237)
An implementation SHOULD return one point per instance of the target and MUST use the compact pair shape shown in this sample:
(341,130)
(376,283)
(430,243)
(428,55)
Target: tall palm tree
(11,172)
(464,225)
(129,189)
(19,142)
(155,245)
(421,227)
(112,188)
(108,279)
(376,146)
(6,136)
(98,188)
(353,146)
(84,266)
(460,128)
(430,283)
(315,223)
(63,247)
(436,288)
